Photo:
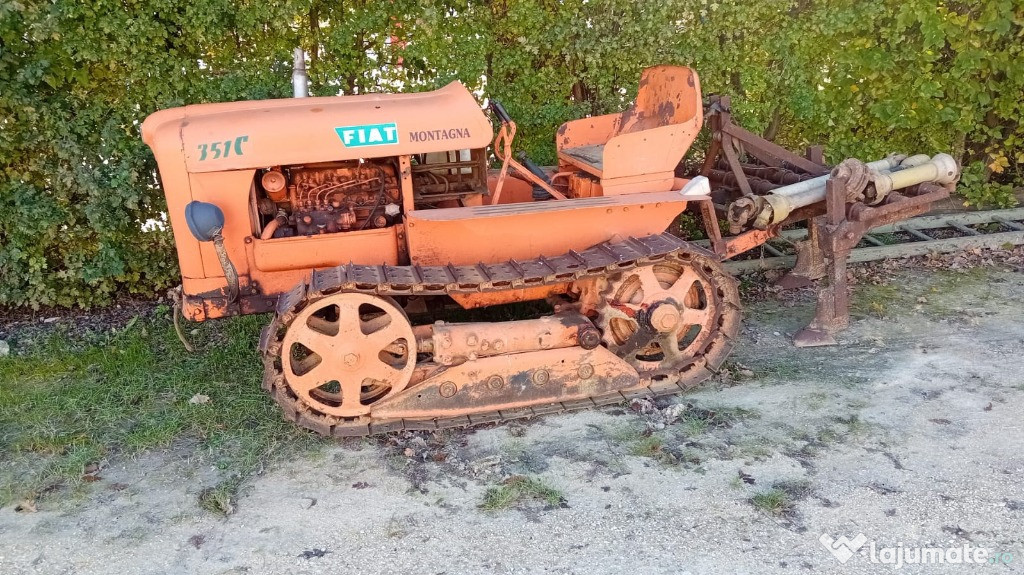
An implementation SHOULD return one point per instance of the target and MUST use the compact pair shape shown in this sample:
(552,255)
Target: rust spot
(689,80)
(562,129)
(666,111)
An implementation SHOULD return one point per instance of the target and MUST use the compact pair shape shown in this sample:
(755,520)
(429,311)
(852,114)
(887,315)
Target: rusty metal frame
(838,231)
(728,141)
(503,150)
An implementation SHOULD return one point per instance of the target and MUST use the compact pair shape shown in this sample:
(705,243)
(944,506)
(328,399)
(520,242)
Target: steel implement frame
(840,229)
(727,140)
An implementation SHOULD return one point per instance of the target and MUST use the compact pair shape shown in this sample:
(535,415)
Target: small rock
(313,553)
(50,320)
(199,399)
(5,348)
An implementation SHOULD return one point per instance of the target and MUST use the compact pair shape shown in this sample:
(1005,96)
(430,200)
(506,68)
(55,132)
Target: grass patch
(854,425)
(781,497)
(753,447)
(774,501)
(79,400)
(220,499)
(641,442)
(520,489)
(697,420)
(937,293)
(779,368)
(650,446)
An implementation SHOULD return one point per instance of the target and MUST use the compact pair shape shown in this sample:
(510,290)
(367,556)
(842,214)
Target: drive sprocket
(666,318)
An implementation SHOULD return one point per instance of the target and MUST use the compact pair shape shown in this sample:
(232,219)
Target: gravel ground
(909,433)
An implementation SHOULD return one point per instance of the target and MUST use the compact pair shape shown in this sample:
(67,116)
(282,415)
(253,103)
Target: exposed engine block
(330,198)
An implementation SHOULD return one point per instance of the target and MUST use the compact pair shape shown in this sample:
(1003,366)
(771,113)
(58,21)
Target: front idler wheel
(347,351)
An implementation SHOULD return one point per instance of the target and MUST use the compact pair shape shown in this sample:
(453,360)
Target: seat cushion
(587,158)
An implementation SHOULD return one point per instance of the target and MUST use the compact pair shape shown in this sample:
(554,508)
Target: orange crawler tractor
(343,214)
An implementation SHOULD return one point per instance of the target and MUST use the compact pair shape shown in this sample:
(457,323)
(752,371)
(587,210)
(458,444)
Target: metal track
(604,260)
(913,237)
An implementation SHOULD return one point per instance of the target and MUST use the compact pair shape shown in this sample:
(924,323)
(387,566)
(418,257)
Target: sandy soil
(910,433)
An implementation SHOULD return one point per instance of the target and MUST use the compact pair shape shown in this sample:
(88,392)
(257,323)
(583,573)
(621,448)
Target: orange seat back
(667,95)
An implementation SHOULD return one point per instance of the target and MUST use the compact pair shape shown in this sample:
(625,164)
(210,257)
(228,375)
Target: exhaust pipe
(300,80)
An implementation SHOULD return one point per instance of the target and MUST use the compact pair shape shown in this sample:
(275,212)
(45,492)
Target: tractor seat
(643,143)
(587,158)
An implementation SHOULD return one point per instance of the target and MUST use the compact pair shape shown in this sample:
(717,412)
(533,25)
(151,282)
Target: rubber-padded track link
(608,260)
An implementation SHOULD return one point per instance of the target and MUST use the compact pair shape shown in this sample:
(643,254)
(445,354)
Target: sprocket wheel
(665,317)
(346,351)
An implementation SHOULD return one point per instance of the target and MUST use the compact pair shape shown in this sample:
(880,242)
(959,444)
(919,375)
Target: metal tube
(942,169)
(815,186)
(300,80)
(892,173)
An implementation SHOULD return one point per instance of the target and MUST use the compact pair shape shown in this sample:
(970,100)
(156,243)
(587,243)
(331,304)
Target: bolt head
(350,359)
(665,317)
(588,338)
(541,377)
(495,382)
(447,389)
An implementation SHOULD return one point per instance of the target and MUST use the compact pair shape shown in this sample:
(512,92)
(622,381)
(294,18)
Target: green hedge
(77,77)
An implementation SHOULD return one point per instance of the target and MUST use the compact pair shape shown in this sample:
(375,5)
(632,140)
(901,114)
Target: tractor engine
(327,198)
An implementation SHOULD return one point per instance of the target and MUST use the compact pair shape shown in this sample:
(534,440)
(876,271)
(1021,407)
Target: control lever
(539,193)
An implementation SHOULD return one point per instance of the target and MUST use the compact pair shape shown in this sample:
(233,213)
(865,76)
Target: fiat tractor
(344,218)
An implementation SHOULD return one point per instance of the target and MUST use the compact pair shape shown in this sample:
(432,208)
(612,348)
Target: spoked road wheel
(664,318)
(347,351)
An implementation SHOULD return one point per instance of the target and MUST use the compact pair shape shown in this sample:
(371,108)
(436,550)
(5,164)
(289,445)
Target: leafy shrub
(79,194)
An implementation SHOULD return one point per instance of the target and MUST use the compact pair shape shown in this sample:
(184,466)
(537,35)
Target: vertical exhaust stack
(300,80)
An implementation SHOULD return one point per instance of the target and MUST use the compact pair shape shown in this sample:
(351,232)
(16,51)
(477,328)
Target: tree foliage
(81,205)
